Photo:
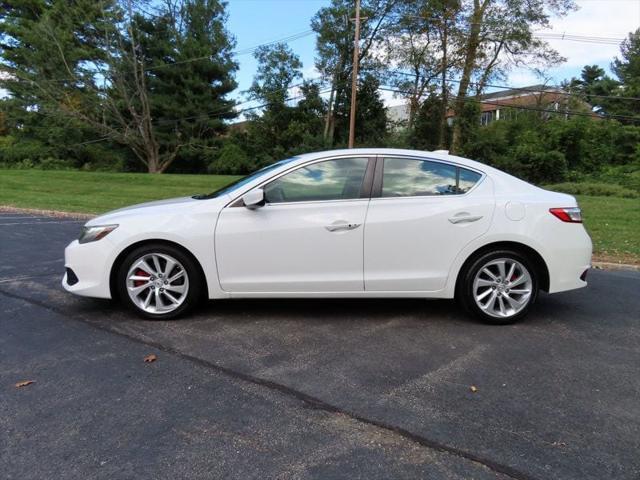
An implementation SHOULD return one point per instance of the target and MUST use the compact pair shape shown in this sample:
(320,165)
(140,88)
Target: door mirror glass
(254,198)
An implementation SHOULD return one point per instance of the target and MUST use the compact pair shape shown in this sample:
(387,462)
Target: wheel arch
(115,266)
(538,261)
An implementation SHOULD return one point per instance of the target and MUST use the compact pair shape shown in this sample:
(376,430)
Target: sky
(253,22)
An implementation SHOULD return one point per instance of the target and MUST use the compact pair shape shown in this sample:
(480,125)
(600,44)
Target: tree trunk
(442,141)
(471,52)
(329,118)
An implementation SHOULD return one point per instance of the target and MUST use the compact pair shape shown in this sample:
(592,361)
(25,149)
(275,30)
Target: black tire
(465,287)
(191,269)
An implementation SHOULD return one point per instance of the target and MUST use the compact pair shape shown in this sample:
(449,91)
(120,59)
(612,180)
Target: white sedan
(344,223)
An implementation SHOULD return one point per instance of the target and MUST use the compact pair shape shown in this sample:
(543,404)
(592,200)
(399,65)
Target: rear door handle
(465,219)
(337,227)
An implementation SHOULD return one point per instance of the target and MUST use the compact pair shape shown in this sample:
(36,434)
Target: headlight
(94,233)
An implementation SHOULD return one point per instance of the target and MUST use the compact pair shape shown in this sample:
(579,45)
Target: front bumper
(91,264)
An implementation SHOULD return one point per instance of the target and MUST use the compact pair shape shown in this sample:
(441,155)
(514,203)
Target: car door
(422,213)
(308,237)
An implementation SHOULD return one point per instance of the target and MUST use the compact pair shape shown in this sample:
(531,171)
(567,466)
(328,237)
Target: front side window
(403,177)
(339,179)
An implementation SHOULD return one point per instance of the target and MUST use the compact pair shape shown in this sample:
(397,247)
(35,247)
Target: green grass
(613,222)
(97,192)
(614,226)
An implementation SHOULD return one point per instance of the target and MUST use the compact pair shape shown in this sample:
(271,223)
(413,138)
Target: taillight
(570,215)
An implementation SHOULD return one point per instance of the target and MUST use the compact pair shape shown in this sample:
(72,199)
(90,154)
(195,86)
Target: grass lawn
(613,222)
(97,192)
(614,226)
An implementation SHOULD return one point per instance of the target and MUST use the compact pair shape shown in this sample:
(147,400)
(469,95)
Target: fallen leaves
(24,383)
(150,358)
(473,388)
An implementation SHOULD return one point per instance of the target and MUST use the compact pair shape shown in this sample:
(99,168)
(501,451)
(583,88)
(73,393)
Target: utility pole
(354,78)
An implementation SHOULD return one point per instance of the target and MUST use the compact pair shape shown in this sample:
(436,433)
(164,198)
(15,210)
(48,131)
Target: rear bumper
(569,260)
(91,265)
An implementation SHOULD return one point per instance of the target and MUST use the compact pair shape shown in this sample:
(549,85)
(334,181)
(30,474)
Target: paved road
(310,389)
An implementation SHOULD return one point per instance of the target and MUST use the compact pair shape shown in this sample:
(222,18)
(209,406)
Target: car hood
(168,206)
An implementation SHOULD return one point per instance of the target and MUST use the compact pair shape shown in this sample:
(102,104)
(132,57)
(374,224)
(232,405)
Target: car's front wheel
(499,287)
(159,282)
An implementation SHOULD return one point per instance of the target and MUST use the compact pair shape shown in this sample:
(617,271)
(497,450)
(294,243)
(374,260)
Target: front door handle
(338,227)
(465,218)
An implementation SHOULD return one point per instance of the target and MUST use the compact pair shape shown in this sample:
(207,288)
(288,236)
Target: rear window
(467,179)
(407,177)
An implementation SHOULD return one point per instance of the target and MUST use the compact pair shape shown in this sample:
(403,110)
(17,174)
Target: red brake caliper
(140,273)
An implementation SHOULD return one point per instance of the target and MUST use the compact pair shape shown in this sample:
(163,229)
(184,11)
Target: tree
(593,87)
(334,45)
(419,44)
(427,133)
(46,48)
(278,68)
(627,69)
(371,115)
(133,78)
(188,73)
(498,34)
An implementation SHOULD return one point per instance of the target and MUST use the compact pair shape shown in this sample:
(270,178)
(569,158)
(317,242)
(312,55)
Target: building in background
(506,104)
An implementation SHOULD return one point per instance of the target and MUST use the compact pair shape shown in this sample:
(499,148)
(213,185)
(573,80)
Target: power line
(221,112)
(579,38)
(245,51)
(531,90)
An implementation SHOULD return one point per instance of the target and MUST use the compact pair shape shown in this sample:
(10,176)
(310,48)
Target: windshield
(244,180)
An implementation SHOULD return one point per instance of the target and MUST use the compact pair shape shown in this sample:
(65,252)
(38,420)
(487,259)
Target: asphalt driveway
(310,388)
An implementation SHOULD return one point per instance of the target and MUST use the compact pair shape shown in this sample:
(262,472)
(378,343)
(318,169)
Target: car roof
(436,155)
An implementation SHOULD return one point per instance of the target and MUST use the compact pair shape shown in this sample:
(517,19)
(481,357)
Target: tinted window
(338,179)
(467,180)
(410,178)
(404,177)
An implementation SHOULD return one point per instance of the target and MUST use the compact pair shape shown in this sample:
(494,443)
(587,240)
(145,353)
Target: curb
(615,266)
(46,213)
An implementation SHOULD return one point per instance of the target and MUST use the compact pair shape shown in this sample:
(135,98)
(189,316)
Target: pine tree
(154,83)
(627,69)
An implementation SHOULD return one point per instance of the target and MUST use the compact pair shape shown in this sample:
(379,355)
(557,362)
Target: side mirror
(253,198)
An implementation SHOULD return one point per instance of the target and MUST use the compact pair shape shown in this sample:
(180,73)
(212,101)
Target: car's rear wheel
(159,282)
(499,287)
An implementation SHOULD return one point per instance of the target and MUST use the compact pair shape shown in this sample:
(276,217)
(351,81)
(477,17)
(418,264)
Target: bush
(23,152)
(55,164)
(232,160)
(555,150)
(594,189)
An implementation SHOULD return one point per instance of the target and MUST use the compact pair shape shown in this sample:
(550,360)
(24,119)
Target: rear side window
(339,179)
(404,177)
(467,179)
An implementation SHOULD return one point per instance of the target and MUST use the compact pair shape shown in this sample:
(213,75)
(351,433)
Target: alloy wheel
(157,283)
(502,287)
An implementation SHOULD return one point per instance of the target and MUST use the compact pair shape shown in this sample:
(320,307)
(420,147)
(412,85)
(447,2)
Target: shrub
(232,160)
(594,189)
(23,152)
(55,164)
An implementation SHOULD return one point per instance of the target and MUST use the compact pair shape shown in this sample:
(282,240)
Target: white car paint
(392,247)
